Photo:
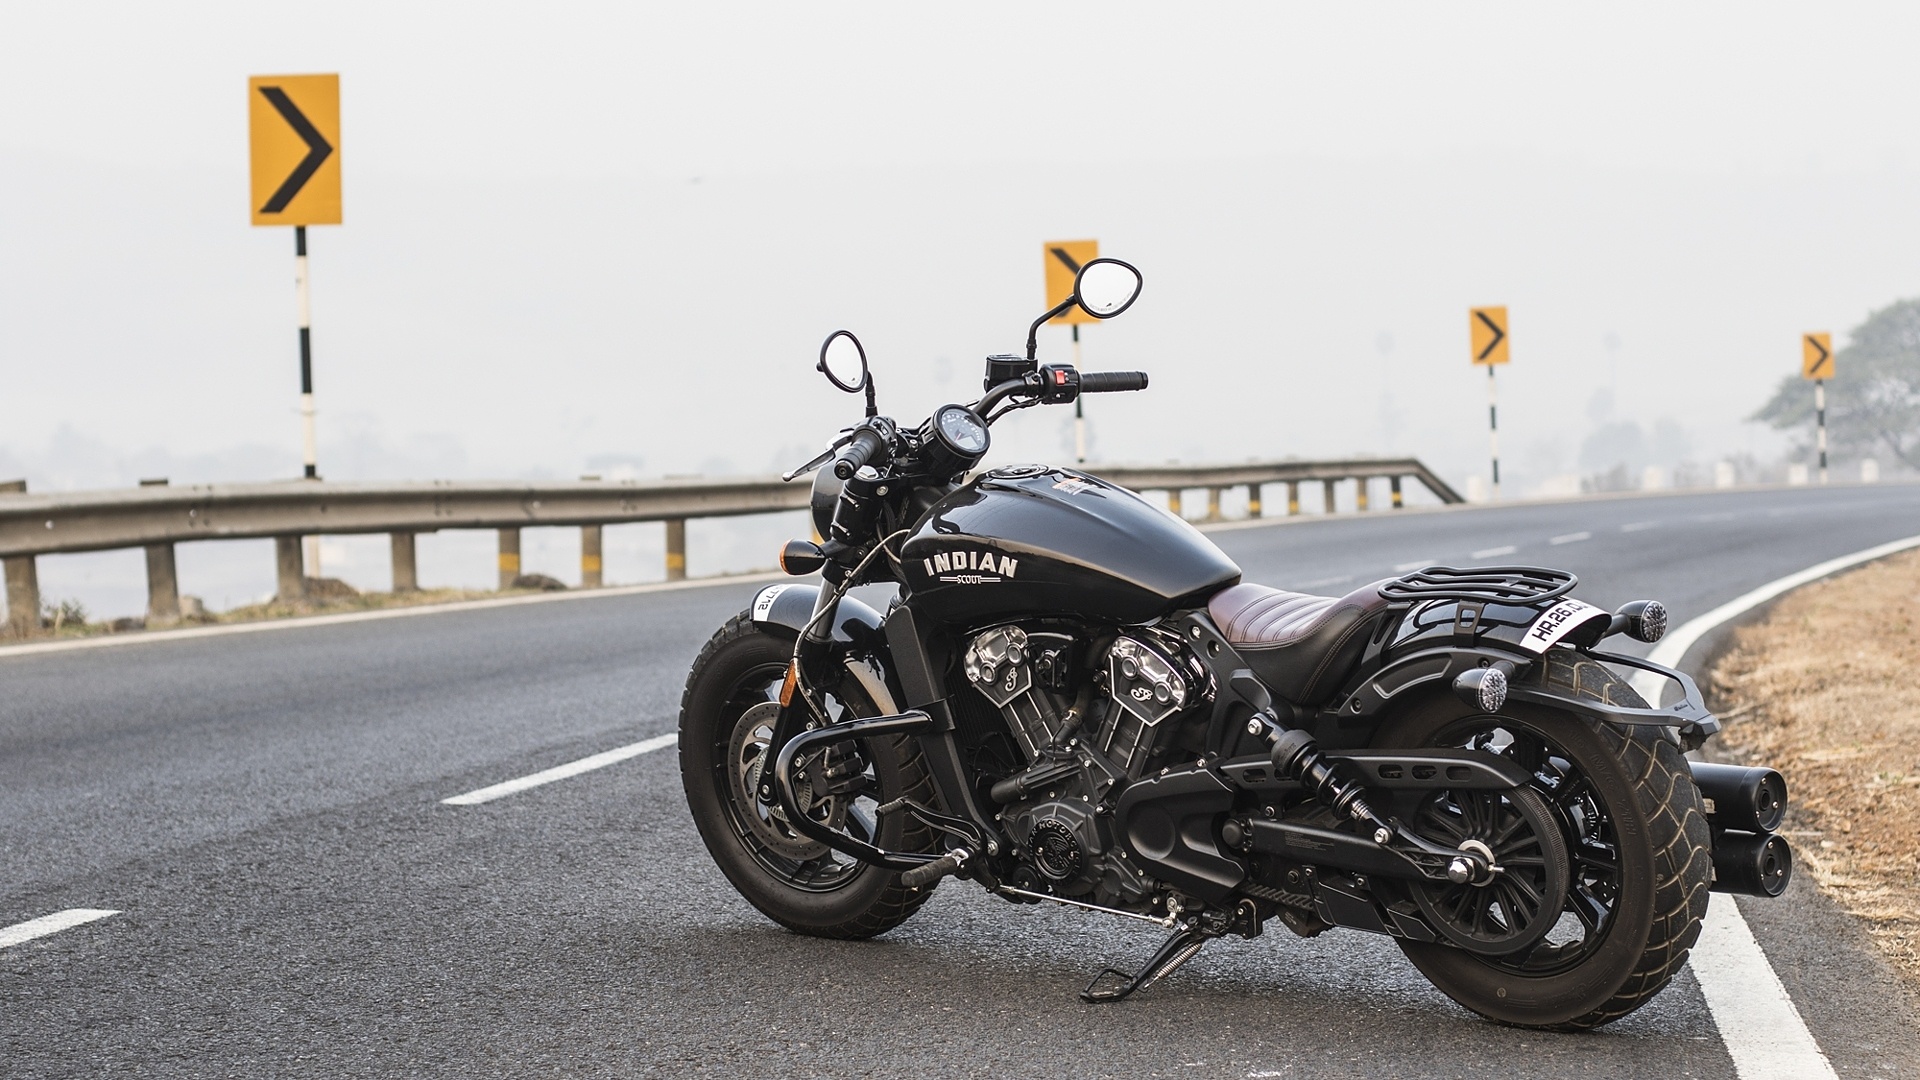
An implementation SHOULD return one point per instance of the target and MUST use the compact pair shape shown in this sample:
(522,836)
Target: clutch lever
(818,461)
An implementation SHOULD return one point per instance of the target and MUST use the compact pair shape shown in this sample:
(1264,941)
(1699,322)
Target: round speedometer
(962,429)
(955,439)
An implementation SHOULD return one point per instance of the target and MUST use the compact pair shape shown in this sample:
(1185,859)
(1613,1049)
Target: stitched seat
(1302,646)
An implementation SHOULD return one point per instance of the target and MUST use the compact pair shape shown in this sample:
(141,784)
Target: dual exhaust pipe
(1744,807)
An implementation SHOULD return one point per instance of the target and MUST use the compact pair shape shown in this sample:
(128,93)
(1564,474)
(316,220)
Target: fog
(609,239)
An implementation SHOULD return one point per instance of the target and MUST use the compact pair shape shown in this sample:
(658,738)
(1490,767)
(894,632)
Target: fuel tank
(1036,539)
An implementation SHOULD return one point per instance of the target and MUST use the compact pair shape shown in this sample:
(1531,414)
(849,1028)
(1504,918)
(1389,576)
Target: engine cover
(1000,663)
(1147,687)
(1062,843)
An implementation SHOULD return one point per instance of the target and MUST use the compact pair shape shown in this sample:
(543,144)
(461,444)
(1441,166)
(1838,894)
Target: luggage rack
(1485,584)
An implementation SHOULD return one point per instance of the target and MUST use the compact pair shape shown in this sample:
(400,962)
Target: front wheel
(1638,855)
(726,725)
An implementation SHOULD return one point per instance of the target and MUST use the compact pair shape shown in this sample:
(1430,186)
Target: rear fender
(1572,679)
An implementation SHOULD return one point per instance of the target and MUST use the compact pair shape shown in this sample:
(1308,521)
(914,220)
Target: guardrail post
(290,569)
(590,577)
(163,583)
(509,557)
(676,549)
(1293,497)
(406,567)
(1327,486)
(1253,500)
(1394,484)
(1173,502)
(163,586)
(1213,504)
(23,583)
(1360,492)
(23,596)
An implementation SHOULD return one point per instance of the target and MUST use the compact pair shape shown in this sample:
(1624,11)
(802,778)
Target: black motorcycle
(1075,700)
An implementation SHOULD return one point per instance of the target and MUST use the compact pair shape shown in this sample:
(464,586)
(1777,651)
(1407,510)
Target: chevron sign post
(1488,344)
(293,127)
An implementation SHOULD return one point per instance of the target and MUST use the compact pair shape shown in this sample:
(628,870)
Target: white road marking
(1571,538)
(1414,565)
(1757,1020)
(50,924)
(155,636)
(561,772)
(1636,526)
(1488,553)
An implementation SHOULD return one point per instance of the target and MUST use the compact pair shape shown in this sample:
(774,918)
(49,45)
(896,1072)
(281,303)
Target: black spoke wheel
(1514,905)
(1638,866)
(726,723)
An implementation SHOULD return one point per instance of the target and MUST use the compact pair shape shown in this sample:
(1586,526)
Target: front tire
(725,717)
(1641,865)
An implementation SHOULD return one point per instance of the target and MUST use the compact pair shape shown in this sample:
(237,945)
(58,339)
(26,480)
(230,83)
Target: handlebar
(1112,382)
(859,450)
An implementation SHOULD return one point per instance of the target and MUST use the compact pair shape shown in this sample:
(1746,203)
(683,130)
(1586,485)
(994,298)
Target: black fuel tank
(1033,539)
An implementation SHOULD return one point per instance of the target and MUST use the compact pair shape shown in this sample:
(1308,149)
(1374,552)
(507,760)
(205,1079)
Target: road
(264,812)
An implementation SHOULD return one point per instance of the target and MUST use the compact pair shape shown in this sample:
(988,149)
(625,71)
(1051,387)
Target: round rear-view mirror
(843,361)
(1106,287)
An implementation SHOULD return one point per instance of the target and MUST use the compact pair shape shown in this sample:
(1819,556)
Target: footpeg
(1176,950)
(929,873)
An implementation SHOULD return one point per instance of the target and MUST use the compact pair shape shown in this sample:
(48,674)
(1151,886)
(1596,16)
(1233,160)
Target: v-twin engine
(1058,803)
(1026,673)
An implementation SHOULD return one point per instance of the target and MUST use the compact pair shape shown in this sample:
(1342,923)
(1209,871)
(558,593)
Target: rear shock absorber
(1297,755)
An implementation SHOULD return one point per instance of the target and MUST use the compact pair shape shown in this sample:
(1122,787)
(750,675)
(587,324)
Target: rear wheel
(726,723)
(1638,854)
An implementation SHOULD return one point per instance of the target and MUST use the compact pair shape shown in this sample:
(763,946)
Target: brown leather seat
(1302,646)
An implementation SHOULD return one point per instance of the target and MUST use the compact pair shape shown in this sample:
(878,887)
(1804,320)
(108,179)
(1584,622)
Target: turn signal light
(1645,620)
(1483,688)
(802,557)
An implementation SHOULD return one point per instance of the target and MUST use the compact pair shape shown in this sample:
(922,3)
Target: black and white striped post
(1079,408)
(310,451)
(308,443)
(1493,429)
(1820,415)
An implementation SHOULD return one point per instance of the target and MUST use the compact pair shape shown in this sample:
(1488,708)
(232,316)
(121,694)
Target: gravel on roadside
(1827,690)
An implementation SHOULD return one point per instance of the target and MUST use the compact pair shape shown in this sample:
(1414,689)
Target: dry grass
(1827,690)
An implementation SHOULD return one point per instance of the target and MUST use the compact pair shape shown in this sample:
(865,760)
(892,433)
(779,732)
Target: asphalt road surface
(264,812)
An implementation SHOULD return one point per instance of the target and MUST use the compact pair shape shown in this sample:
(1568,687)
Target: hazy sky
(582,237)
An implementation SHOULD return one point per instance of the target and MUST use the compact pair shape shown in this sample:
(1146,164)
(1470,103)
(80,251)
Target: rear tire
(798,883)
(1641,864)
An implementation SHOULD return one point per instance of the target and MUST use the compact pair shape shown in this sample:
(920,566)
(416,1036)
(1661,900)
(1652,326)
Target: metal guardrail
(156,516)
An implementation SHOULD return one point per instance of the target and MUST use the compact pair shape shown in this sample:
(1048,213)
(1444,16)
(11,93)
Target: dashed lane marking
(1637,526)
(561,772)
(1493,552)
(1416,564)
(1571,538)
(1762,1029)
(20,933)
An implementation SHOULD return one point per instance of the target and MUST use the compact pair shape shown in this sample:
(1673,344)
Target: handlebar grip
(1111,382)
(865,444)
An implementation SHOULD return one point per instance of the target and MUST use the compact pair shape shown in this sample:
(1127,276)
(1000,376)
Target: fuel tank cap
(1019,472)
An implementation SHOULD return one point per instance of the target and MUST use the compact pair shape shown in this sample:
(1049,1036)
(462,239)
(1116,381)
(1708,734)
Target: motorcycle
(1076,700)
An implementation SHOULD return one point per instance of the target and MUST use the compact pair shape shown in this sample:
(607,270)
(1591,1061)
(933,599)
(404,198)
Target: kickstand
(1177,950)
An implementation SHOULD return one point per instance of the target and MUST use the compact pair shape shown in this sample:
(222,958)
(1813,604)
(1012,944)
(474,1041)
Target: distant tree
(1873,400)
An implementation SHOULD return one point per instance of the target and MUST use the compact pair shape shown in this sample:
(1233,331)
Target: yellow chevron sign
(293,124)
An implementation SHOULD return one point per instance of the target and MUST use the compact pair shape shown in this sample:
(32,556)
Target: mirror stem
(872,409)
(1033,332)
